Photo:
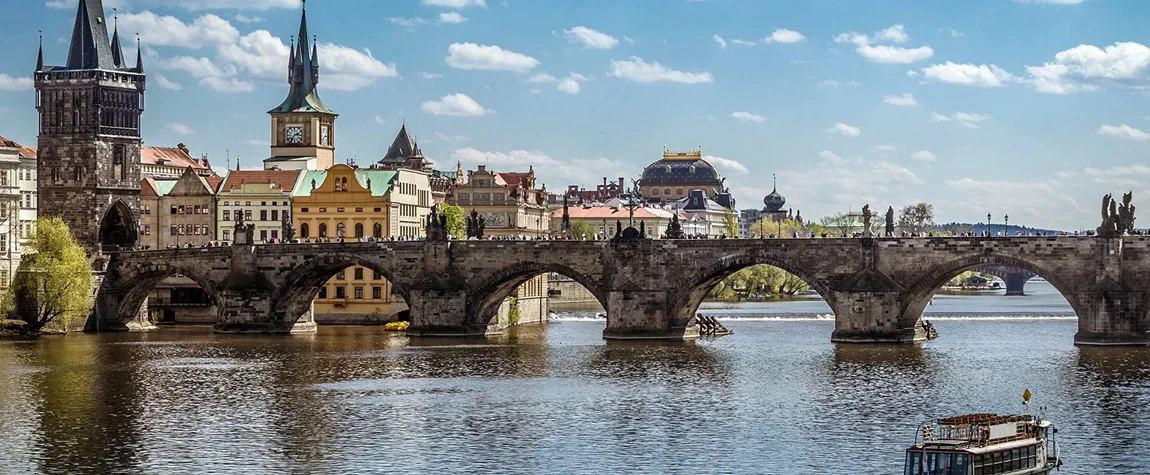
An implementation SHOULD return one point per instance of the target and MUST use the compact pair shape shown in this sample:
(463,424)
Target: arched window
(377,231)
(304,230)
(118,169)
(358,230)
(340,230)
(322,230)
(343,184)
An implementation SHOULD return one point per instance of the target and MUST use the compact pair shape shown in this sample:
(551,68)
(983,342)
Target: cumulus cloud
(473,56)
(590,38)
(458,105)
(719,39)
(570,84)
(1124,132)
(547,168)
(830,156)
(431,75)
(981,75)
(873,49)
(726,165)
(179,129)
(408,23)
(924,156)
(748,117)
(1087,68)
(15,83)
(844,130)
(902,100)
(452,18)
(206,31)
(783,35)
(165,83)
(963,118)
(640,71)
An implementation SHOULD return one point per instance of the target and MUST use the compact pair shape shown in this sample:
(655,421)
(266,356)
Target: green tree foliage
(57,276)
(730,223)
(580,230)
(784,228)
(917,218)
(456,220)
(842,224)
(758,281)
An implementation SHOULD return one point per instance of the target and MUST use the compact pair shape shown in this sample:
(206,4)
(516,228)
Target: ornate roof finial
(40,56)
(775,179)
(139,55)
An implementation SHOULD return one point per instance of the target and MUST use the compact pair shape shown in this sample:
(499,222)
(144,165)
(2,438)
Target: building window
(341,275)
(247,214)
(359,210)
(359,293)
(204,209)
(303,210)
(118,169)
(304,230)
(655,192)
(275,214)
(376,275)
(340,230)
(377,293)
(358,273)
(227,235)
(147,230)
(340,292)
(175,231)
(147,209)
(358,230)
(377,230)
(323,292)
(379,210)
(263,203)
(339,210)
(275,234)
(263,215)
(263,235)
(227,215)
(322,230)
(173,210)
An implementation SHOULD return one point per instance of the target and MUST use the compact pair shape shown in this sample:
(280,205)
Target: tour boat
(985,444)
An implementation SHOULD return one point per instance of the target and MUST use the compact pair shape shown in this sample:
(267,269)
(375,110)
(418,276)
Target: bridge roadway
(877,287)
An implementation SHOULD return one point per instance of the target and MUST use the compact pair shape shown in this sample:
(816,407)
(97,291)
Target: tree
(581,230)
(917,218)
(844,224)
(456,220)
(56,274)
(730,223)
(784,228)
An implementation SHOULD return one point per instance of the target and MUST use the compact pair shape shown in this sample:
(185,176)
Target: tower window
(118,169)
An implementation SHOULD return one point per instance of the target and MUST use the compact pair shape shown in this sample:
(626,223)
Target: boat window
(913,461)
(918,463)
(959,464)
(1031,456)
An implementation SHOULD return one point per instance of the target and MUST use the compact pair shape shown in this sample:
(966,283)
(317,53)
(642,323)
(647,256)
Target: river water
(776,397)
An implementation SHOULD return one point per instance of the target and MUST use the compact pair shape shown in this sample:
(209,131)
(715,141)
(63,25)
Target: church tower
(88,165)
(303,128)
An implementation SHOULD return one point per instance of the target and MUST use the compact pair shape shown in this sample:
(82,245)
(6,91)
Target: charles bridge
(651,289)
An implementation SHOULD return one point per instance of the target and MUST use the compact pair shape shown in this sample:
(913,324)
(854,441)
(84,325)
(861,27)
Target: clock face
(323,136)
(294,135)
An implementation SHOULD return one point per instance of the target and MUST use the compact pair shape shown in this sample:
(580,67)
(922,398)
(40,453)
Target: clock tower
(303,128)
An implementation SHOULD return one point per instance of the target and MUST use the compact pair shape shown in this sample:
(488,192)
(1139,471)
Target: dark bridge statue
(877,288)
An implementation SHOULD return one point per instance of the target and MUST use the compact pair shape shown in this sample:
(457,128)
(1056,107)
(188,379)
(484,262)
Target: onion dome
(774,201)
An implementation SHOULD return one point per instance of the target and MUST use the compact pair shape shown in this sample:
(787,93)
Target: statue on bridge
(436,225)
(243,232)
(890,221)
(1117,219)
(476,225)
(675,229)
(866,216)
(287,231)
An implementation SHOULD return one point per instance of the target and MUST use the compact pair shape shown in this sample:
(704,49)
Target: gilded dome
(670,171)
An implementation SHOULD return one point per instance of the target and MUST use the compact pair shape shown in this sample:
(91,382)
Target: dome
(774,202)
(693,172)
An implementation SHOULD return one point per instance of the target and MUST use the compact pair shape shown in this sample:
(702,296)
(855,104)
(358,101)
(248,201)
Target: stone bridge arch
(292,298)
(124,292)
(698,284)
(919,295)
(488,291)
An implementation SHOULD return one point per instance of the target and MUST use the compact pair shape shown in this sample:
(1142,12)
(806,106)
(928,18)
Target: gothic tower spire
(90,48)
(40,56)
(303,74)
(117,50)
(139,55)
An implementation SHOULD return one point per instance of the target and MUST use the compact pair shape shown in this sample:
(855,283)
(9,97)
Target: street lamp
(1006,225)
(988,233)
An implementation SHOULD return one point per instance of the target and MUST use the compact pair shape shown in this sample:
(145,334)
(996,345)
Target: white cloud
(451,138)
(165,83)
(846,184)
(640,71)
(1087,68)
(743,42)
(981,75)
(589,38)
(953,32)
(726,165)
(227,84)
(547,169)
(1124,132)
(783,35)
(719,39)
(453,18)
(844,130)
(995,187)
(455,3)
(883,53)
(748,117)
(247,20)
(206,31)
(886,148)
(831,156)
(902,100)
(180,129)
(570,84)
(346,69)
(473,56)
(542,77)
(379,120)
(965,118)
(458,105)
(924,156)
(15,83)
(431,76)
(407,22)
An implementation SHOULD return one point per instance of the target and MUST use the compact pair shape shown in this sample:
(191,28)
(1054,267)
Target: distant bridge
(877,287)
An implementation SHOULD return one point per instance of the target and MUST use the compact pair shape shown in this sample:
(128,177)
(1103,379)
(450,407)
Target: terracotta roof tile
(174,156)
(285,179)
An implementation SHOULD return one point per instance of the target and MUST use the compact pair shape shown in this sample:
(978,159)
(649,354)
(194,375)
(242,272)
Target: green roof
(163,187)
(381,181)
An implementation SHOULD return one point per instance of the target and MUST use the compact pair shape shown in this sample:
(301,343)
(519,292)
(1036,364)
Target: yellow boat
(397,326)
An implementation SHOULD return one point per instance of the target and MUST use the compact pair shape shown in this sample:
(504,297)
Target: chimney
(622,183)
(182,147)
(604,181)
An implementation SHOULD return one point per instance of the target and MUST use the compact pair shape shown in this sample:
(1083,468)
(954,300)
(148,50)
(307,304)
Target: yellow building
(263,197)
(359,204)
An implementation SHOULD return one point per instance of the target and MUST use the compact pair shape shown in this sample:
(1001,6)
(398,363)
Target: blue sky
(1029,108)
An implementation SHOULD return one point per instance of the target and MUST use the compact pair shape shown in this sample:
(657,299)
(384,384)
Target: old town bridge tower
(89,145)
